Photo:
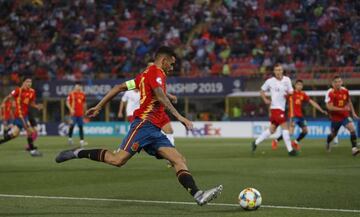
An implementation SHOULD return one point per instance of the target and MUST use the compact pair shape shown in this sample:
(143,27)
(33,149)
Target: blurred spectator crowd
(105,39)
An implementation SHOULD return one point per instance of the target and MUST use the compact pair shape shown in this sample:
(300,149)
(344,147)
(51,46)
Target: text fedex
(206,130)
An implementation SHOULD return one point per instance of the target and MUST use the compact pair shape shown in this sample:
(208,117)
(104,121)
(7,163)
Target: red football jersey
(23,97)
(6,111)
(150,108)
(296,102)
(339,98)
(77,100)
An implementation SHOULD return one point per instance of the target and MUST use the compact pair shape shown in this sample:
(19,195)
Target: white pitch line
(172,202)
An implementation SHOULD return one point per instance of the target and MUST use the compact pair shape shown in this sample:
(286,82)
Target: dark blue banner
(216,86)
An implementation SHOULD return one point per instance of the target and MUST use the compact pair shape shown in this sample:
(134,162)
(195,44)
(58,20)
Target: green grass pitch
(315,179)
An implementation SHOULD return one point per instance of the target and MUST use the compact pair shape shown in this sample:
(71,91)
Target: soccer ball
(250,199)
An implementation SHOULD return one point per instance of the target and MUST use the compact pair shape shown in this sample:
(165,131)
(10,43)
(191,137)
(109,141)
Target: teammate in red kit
(76,103)
(24,97)
(145,131)
(295,107)
(339,104)
(6,115)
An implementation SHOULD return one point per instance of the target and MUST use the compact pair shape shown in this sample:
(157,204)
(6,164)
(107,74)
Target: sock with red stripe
(186,180)
(92,154)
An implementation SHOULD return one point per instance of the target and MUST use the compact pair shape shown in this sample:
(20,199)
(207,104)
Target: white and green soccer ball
(250,199)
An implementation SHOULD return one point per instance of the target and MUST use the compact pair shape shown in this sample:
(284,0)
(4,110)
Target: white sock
(286,137)
(170,137)
(336,140)
(262,137)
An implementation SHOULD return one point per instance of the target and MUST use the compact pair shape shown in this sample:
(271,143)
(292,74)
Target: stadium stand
(87,39)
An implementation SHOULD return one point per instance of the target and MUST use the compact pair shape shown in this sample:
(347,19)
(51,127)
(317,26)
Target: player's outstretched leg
(6,138)
(101,155)
(11,134)
(186,179)
(264,135)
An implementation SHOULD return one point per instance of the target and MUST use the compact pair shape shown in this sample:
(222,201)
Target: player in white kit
(130,101)
(279,87)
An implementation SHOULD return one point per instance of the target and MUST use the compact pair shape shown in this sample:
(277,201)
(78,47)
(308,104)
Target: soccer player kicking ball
(295,102)
(145,131)
(24,97)
(279,87)
(339,104)
(76,103)
(131,101)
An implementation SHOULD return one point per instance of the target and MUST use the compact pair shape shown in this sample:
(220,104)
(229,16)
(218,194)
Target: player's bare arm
(264,97)
(121,109)
(166,102)
(92,112)
(317,106)
(85,106)
(37,106)
(172,97)
(71,109)
(330,106)
(352,109)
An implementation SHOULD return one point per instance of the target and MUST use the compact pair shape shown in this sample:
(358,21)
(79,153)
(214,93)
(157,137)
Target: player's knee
(119,163)
(15,133)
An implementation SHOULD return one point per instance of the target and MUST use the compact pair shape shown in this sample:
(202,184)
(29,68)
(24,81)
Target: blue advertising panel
(317,129)
(98,129)
(320,129)
(90,129)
